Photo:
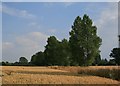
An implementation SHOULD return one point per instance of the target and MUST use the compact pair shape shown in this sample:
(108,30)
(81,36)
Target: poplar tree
(84,42)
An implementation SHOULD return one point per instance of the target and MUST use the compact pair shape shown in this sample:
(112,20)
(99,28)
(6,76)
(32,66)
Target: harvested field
(112,72)
(49,75)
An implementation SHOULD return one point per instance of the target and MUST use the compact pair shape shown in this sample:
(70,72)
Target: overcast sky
(26,26)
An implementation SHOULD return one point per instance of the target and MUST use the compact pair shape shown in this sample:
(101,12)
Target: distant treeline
(100,62)
(82,48)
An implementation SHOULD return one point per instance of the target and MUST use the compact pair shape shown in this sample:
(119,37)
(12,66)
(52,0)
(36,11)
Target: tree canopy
(23,60)
(84,42)
(56,52)
(115,54)
(38,59)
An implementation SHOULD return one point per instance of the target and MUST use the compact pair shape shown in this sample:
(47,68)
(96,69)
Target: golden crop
(52,75)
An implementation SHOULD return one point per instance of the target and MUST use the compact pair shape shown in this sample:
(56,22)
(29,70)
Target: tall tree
(51,51)
(115,54)
(84,42)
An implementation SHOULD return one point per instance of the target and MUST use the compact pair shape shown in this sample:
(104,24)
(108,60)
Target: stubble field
(54,75)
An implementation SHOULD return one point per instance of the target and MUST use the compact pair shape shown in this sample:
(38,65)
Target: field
(54,75)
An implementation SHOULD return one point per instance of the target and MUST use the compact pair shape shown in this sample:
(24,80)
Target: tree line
(82,48)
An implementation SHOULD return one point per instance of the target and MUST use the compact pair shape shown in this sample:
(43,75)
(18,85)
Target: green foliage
(64,52)
(56,52)
(38,59)
(97,60)
(6,63)
(23,60)
(3,63)
(111,62)
(103,62)
(115,54)
(51,51)
(84,42)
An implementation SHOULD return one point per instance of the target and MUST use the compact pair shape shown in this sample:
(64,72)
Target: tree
(115,54)
(64,53)
(97,60)
(51,51)
(56,52)
(111,62)
(23,60)
(103,62)
(3,63)
(38,59)
(15,64)
(6,63)
(84,42)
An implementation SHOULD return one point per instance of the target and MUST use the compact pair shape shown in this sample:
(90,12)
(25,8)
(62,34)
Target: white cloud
(17,12)
(108,29)
(25,45)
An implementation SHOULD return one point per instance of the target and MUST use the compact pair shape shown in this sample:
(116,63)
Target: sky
(60,0)
(27,25)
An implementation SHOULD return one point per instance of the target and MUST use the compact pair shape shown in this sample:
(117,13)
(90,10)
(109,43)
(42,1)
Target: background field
(52,75)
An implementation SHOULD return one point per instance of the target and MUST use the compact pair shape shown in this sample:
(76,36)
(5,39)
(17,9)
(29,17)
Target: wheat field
(50,75)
